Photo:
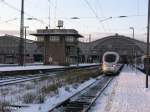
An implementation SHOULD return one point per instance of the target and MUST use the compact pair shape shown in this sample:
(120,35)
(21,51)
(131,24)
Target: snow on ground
(36,67)
(85,64)
(126,93)
(52,101)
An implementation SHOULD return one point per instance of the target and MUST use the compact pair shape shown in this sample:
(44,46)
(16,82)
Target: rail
(83,100)
(18,79)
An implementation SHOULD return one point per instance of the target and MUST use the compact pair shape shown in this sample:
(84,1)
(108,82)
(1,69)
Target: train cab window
(110,58)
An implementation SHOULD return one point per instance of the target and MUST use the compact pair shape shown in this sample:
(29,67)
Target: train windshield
(110,58)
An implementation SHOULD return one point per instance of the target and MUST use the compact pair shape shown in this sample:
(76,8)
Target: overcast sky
(93,16)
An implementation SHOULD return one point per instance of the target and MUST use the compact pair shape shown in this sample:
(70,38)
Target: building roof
(12,37)
(102,43)
(7,41)
(57,32)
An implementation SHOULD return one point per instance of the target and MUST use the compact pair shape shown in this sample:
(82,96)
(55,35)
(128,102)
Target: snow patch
(126,93)
(53,101)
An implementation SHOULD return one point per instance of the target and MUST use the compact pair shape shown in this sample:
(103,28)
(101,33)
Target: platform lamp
(134,52)
(132,28)
(25,41)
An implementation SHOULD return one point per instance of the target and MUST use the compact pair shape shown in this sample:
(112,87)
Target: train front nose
(108,68)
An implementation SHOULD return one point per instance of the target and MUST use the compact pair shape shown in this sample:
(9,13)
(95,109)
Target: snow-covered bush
(29,86)
(40,98)
(67,88)
(29,98)
(49,88)
(4,107)
(75,86)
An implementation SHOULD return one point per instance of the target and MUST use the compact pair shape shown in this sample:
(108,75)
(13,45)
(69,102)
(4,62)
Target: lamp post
(132,28)
(134,53)
(147,51)
(25,31)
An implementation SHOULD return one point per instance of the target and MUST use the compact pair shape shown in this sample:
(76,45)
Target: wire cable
(96,15)
(55,14)
(18,10)
(101,11)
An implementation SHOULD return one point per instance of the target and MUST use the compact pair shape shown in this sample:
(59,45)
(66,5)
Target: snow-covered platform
(41,67)
(127,93)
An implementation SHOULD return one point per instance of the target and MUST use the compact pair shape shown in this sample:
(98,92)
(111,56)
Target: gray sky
(90,12)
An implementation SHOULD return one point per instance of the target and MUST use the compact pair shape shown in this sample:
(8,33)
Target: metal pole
(90,54)
(25,28)
(77,56)
(147,59)
(133,46)
(49,14)
(134,62)
(133,33)
(25,45)
(21,46)
(133,52)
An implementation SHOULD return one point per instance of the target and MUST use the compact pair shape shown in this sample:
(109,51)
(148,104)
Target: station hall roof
(103,42)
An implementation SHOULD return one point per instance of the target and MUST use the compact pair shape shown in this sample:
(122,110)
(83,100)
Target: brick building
(60,45)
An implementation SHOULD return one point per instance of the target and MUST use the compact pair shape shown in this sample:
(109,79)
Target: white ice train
(110,63)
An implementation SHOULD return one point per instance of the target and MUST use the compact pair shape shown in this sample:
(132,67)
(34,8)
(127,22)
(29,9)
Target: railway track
(83,100)
(18,79)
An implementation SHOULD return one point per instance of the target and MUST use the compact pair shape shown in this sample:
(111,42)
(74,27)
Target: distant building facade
(127,47)
(9,47)
(60,45)
(63,47)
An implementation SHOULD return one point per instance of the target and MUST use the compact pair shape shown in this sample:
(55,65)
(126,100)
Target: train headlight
(104,67)
(114,65)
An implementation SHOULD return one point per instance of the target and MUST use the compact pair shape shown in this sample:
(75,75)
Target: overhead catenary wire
(138,7)
(10,6)
(18,10)
(102,13)
(49,13)
(94,12)
(55,14)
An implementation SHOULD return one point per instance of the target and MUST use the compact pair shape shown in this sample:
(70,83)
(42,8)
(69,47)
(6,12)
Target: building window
(54,38)
(69,39)
(40,39)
